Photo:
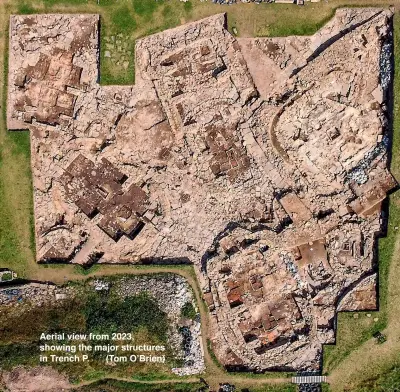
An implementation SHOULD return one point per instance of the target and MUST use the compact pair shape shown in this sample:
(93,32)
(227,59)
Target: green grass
(16,354)
(12,254)
(124,19)
(133,20)
(52,3)
(272,388)
(121,386)
(25,9)
(6,277)
(325,387)
(294,24)
(94,375)
(145,8)
(86,271)
(154,376)
(88,311)
(188,311)
(20,143)
(188,6)
(265,375)
(15,167)
(386,382)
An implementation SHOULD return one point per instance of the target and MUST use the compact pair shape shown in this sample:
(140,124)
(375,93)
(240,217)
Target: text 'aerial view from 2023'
(199,195)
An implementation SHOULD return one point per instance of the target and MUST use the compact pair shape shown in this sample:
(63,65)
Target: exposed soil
(38,379)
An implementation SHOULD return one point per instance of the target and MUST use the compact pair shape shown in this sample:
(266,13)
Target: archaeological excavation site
(261,161)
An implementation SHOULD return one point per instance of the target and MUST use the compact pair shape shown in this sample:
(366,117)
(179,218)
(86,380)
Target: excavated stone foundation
(263,161)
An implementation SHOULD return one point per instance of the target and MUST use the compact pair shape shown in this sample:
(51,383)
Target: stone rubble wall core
(262,161)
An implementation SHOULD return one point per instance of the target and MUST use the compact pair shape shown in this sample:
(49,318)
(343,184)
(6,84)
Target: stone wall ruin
(261,160)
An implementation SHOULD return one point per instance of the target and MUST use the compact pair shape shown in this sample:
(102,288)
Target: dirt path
(134,381)
(371,359)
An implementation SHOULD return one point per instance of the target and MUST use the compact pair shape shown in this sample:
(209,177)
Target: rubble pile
(171,291)
(193,358)
(36,294)
(310,388)
(263,161)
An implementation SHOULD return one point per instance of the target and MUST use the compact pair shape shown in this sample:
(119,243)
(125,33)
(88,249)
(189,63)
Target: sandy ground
(39,379)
